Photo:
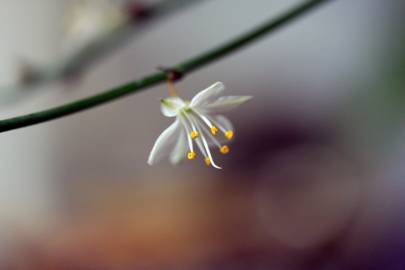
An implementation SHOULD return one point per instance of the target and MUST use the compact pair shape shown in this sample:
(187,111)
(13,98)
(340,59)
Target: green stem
(159,77)
(86,57)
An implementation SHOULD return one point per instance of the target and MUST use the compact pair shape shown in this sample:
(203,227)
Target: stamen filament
(198,140)
(200,146)
(213,139)
(194,133)
(204,118)
(185,124)
(204,141)
(227,132)
(221,128)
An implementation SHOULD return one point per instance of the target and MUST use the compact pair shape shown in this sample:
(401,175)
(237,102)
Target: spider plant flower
(197,126)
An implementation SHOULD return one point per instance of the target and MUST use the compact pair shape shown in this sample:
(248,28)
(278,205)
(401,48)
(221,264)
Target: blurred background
(315,179)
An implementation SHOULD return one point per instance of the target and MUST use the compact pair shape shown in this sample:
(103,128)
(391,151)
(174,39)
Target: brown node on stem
(138,12)
(172,74)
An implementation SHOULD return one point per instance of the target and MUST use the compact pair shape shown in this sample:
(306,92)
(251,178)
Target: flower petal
(163,143)
(180,149)
(170,106)
(226,103)
(207,95)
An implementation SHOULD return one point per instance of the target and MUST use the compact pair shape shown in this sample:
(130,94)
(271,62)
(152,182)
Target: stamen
(207,149)
(207,161)
(191,155)
(186,127)
(190,143)
(229,134)
(197,128)
(201,141)
(217,124)
(210,136)
(225,149)
(204,118)
(194,134)
(200,146)
(214,130)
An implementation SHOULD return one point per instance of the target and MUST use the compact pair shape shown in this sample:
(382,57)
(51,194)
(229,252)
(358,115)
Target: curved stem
(159,77)
(83,59)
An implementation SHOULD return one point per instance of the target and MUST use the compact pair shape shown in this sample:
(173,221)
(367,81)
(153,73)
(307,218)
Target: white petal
(226,103)
(207,95)
(180,150)
(170,106)
(163,143)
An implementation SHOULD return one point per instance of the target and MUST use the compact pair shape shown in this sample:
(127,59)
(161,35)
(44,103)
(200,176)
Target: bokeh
(315,177)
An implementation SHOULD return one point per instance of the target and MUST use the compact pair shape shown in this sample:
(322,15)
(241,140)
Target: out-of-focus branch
(139,16)
(159,77)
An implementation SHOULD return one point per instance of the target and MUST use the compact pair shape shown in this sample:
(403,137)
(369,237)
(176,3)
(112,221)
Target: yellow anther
(229,134)
(191,155)
(194,134)
(225,149)
(208,161)
(214,130)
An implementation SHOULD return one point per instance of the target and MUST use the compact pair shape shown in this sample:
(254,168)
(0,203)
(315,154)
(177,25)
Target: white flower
(197,125)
